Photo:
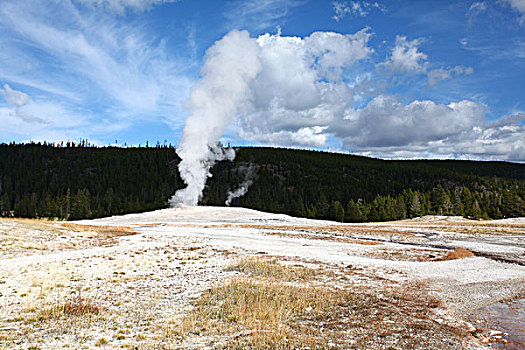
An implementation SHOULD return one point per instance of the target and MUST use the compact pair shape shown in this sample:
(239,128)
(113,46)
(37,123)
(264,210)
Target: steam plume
(231,64)
(249,174)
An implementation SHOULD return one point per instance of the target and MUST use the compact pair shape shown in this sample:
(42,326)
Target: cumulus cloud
(386,122)
(300,87)
(406,57)
(519,6)
(120,6)
(389,128)
(302,96)
(358,8)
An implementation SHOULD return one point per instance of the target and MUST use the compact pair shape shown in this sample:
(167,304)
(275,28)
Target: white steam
(231,64)
(255,79)
(249,174)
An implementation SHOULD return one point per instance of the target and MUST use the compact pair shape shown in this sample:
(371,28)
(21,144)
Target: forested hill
(74,182)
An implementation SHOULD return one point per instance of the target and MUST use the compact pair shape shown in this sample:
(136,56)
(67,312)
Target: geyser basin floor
(134,290)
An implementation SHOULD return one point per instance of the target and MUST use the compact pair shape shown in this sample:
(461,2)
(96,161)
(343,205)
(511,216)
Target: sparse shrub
(75,306)
(101,341)
(258,267)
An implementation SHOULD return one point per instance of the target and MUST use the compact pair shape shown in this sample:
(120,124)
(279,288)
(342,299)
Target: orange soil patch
(459,253)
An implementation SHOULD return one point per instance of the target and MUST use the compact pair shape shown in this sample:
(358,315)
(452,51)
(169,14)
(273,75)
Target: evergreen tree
(322,207)
(415,206)
(400,210)
(353,212)
(337,211)
(5,205)
(457,204)
(437,200)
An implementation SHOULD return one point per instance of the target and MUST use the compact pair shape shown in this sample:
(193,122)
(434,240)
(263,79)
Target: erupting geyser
(231,64)
(280,89)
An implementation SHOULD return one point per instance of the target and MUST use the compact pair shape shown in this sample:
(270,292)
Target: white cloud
(16,100)
(389,128)
(303,137)
(359,8)
(386,122)
(477,7)
(333,51)
(120,6)
(406,57)
(98,61)
(302,97)
(437,75)
(13,97)
(300,88)
(508,120)
(259,14)
(519,6)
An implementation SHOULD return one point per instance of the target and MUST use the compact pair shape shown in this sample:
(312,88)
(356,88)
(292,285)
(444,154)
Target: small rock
(470,327)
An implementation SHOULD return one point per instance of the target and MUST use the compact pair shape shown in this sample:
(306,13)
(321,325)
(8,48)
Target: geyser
(279,89)
(231,64)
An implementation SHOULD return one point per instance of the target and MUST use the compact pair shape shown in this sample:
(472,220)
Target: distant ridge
(77,182)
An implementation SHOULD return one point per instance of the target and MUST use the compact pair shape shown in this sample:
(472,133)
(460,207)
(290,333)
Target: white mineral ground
(183,251)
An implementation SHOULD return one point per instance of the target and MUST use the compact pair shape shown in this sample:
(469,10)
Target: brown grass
(264,314)
(74,307)
(260,267)
(107,231)
(272,308)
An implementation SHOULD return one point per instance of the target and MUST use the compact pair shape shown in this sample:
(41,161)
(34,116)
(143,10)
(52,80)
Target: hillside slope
(75,182)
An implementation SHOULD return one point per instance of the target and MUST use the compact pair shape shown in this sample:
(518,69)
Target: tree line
(77,181)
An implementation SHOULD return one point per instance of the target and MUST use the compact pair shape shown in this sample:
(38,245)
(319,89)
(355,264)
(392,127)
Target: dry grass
(259,267)
(73,307)
(281,307)
(107,231)
(265,314)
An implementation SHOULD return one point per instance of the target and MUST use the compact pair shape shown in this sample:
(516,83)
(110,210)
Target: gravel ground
(142,284)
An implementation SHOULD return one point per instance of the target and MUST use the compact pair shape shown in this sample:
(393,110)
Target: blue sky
(391,79)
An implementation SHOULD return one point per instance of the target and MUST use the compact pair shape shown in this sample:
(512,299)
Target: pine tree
(322,207)
(5,205)
(337,211)
(400,210)
(415,206)
(353,212)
